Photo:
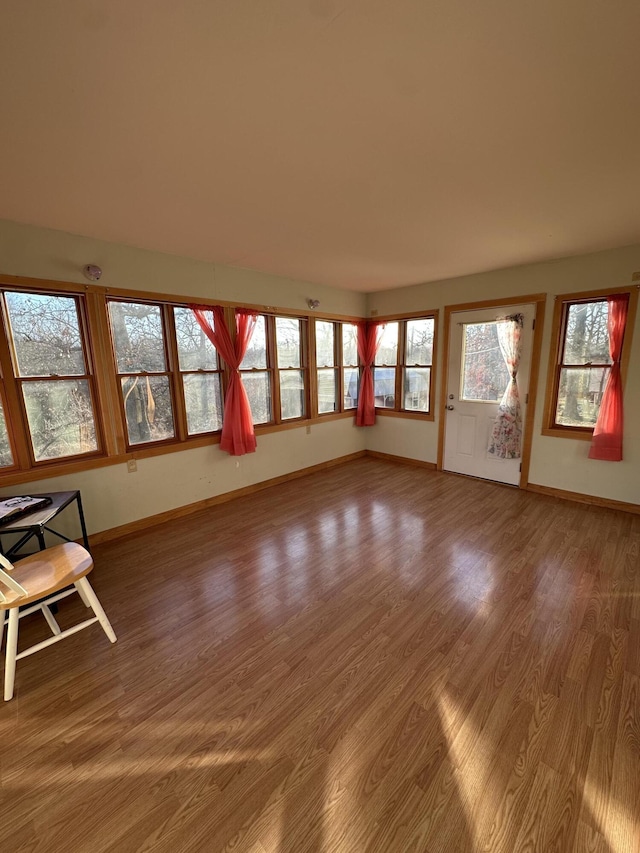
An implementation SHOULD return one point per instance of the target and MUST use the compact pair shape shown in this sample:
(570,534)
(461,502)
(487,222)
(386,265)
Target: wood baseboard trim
(607,503)
(404,460)
(188,509)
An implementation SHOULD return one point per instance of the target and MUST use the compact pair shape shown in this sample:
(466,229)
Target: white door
(477,377)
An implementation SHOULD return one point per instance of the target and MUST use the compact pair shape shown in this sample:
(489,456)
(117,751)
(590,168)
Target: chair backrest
(7,580)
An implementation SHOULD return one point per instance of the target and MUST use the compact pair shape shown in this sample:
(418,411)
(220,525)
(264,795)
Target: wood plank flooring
(372,658)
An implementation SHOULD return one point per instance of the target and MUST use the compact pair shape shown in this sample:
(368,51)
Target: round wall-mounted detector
(92,272)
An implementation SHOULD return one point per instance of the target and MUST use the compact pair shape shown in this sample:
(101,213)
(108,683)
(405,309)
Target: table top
(39,517)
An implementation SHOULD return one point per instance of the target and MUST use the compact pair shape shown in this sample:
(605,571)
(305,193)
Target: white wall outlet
(308,429)
(132,466)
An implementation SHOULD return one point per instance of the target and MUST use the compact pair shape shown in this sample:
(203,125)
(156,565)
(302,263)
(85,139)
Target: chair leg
(84,598)
(84,585)
(2,613)
(51,622)
(12,647)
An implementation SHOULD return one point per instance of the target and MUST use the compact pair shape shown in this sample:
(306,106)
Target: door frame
(540,302)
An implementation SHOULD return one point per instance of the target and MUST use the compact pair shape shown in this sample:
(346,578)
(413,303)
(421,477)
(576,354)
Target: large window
(274,370)
(139,342)
(328,380)
(200,374)
(291,374)
(256,374)
(403,365)
(337,371)
(53,375)
(580,362)
(350,369)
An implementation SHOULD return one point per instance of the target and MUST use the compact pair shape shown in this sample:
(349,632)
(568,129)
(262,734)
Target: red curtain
(368,342)
(606,443)
(238,436)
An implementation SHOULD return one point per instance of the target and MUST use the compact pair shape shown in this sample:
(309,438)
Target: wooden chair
(38,576)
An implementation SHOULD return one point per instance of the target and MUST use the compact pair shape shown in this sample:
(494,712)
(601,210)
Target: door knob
(450,408)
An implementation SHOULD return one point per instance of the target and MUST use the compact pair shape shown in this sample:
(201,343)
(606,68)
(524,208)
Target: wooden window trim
(561,307)
(398,411)
(338,368)
(179,374)
(179,417)
(357,366)
(13,397)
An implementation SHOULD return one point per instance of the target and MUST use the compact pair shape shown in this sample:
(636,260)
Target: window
(291,376)
(200,374)
(139,342)
(580,363)
(256,375)
(418,358)
(385,369)
(403,364)
(326,364)
(52,372)
(274,372)
(350,369)
(484,372)
(337,370)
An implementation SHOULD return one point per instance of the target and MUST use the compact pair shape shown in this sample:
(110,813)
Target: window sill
(392,413)
(568,432)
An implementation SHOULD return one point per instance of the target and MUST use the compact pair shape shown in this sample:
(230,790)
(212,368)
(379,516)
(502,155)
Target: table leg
(83,526)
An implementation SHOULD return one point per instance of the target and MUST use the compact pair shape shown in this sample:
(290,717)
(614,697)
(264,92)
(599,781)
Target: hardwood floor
(373,658)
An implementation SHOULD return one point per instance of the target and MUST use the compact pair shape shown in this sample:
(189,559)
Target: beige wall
(556,462)
(111,495)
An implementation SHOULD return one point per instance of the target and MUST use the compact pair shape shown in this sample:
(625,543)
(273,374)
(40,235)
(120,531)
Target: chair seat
(47,572)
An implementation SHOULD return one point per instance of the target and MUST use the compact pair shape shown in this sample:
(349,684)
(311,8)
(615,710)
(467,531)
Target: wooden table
(36,522)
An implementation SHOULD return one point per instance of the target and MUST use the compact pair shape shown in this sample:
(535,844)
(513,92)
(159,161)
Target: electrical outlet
(635,276)
(308,429)
(132,466)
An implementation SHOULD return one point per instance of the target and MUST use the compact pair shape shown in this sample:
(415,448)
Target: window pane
(419,341)
(203,402)
(388,349)
(291,394)
(147,405)
(416,389)
(351,382)
(6,456)
(349,344)
(587,336)
(60,418)
(138,337)
(325,352)
(327,391)
(484,373)
(256,354)
(384,384)
(258,387)
(46,334)
(288,342)
(195,350)
(579,395)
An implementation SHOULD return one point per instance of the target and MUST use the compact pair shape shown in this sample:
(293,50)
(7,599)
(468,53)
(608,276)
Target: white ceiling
(365,144)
